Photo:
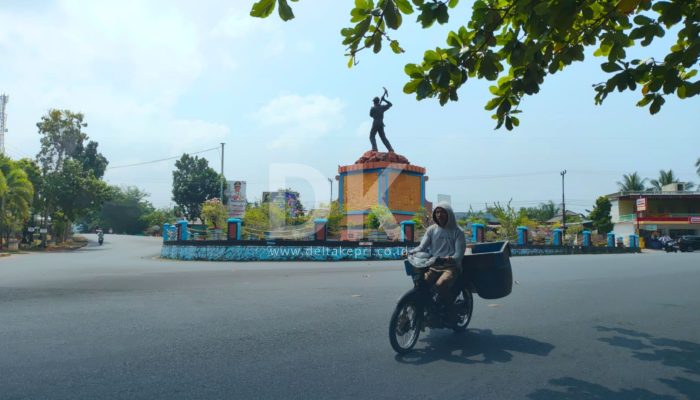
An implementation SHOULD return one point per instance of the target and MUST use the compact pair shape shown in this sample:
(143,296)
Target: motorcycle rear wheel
(404,326)
(464,304)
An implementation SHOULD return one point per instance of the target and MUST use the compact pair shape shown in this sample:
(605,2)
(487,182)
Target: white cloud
(364,128)
(130,67)
(300,120)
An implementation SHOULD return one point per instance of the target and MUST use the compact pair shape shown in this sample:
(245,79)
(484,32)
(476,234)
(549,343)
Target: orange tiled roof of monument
(375,159)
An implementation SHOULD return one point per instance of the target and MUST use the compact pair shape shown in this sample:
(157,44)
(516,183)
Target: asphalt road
(116,322)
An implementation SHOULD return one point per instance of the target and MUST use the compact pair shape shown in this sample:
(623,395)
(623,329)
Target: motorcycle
(485,271)
(100,237)
(671,246)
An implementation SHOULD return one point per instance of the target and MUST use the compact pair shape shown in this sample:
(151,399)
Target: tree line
(63,183)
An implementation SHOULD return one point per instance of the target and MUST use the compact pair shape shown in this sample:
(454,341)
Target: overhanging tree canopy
(517,44)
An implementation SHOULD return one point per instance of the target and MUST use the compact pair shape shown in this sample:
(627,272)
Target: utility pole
(3,121)
(563,203)
(222,173)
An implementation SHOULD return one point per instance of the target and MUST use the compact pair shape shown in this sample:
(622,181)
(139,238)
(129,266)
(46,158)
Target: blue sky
(158,78)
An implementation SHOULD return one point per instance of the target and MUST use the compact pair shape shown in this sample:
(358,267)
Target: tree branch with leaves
(518,44)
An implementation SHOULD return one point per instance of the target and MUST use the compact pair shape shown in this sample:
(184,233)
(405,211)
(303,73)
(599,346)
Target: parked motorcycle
(486,271)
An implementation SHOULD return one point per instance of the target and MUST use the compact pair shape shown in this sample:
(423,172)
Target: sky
(156,79)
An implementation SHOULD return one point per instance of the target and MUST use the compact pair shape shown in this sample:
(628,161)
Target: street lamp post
(221,194)
(330,181)
(563,203)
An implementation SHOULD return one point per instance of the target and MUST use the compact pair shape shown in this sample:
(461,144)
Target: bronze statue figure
(377,114)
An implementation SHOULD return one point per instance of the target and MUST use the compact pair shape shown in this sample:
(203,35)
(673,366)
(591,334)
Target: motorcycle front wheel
(463,305)
(404,326)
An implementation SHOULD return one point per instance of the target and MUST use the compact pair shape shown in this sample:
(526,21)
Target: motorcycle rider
(444,240)
(100,235)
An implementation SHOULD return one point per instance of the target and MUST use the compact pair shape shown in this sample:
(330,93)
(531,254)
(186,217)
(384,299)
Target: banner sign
(641,204)
(235,193)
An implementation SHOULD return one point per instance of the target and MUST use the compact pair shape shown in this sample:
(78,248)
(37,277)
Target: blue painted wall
(316,252)
(280,253)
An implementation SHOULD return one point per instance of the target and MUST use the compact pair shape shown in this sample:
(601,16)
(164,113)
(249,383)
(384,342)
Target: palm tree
(667,177)
(632,183)
(16,192)
(548,210)
(3,185)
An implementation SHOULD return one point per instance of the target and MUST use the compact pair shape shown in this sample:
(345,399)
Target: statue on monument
(377,114)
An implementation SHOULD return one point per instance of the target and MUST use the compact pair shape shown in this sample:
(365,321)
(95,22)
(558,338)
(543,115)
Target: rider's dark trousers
(373,133)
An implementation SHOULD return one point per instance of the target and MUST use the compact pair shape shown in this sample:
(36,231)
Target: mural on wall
(281,253)
(277,252)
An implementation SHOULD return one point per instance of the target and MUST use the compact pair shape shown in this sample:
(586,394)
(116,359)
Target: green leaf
(431,56)
(364,4)
(504,107)
(263,8)
(441,77)
(395,47)
(427,17)
(412,86)
(656,105)
(682,92)
(610,67)
(377,43)
(517,56)
(500,122)
(452,3)
(454,40)
(642,20)
(493,103)
(509,123)
(424,89)
(362,27)
(443,15)
(358,14)
(392,16)
(404,6)
(413,70)
(542,8)
(285,10)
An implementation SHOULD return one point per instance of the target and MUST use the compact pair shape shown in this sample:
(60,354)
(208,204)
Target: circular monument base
(379,178)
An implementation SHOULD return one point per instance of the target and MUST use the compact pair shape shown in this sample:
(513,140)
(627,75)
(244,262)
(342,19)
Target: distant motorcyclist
(444,240)
(100,236)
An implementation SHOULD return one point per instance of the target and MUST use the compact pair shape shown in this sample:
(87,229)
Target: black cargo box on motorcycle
(487,270)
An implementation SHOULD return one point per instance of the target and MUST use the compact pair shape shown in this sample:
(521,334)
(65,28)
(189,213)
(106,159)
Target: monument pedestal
(379,178)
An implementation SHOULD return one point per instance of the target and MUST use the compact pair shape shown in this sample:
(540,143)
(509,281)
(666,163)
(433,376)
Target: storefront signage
(641,204)
(694,220)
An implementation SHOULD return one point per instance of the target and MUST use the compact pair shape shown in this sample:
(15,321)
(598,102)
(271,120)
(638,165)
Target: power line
(160,160)
(493,176)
